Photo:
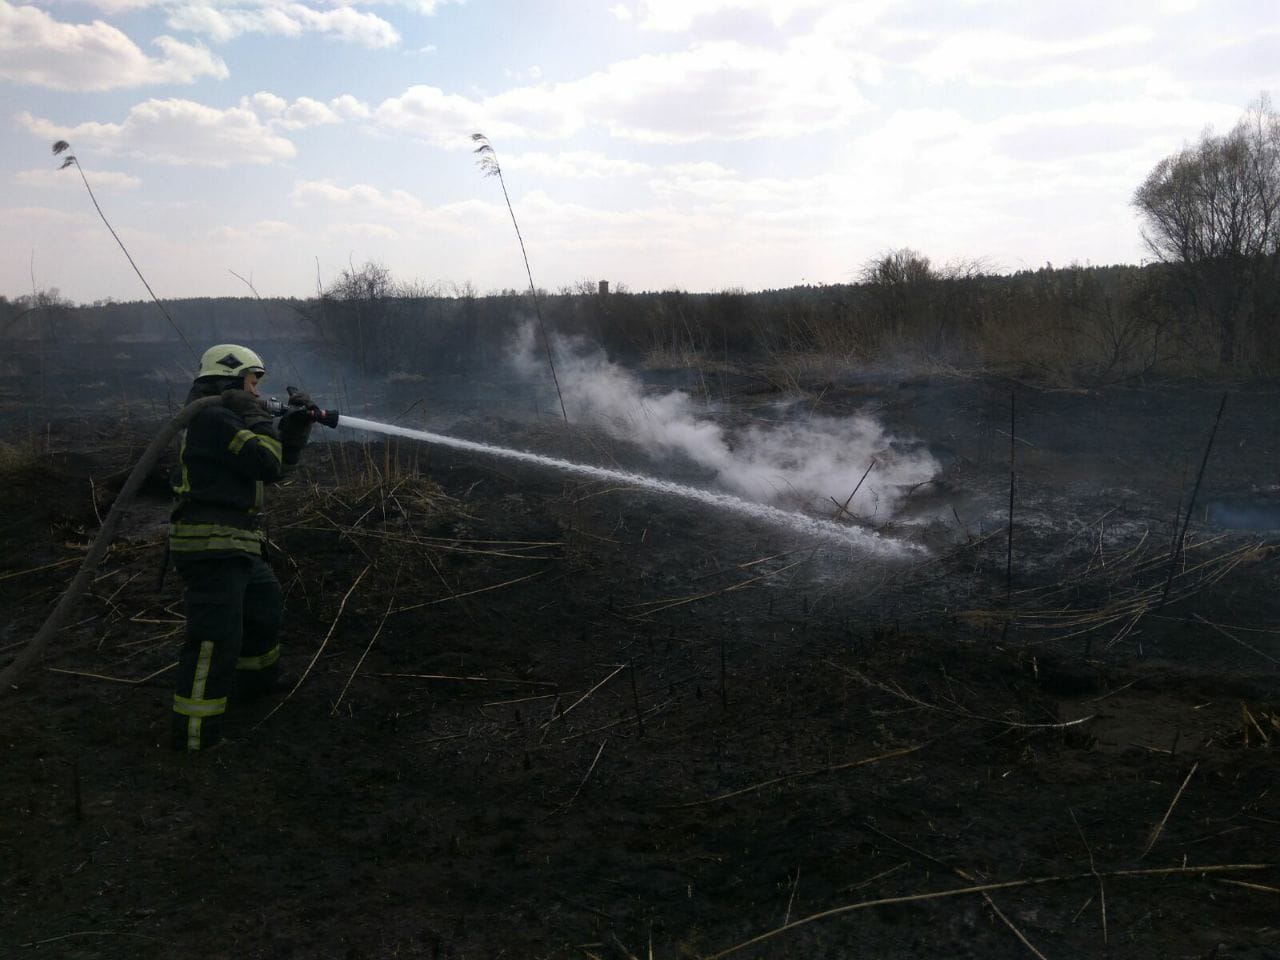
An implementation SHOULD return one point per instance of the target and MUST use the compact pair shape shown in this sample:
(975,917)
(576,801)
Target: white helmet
(230,360)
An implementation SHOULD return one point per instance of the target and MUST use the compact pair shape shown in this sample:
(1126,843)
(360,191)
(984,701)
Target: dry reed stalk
(372,640)
(1247,720)
(897,691)
(568,803)
(1158,829)
(490,167)
(657,606)
(506,703)
(772,556)
(1008,568)
(138,619)
(445,676)
(561,713)
(1232,637)
(469,593)
(453,594)
(47,566)
(878,876)
(426,542)
(1127,566)
(795,882)
(125,680)
(627,954)
(635,698)
(61,146)
(1261,887)
(741,566)
(601,492)
(865,761)
(323,643)
(967,877)
(1132,606)
(91,933)
(1177,544)
(651,711)
(1013,928)
(844,507)
(1102,889)
(987,888)
(116,592)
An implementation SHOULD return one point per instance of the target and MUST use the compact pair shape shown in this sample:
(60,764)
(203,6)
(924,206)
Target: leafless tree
(1213,211)
(372,281)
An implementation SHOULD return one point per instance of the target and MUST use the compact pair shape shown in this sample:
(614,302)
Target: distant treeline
(1069,324)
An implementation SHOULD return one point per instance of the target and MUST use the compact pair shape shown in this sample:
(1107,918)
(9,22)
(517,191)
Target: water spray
(867,540)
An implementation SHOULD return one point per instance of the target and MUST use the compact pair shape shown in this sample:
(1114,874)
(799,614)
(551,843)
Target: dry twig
(323,643)
(125,680)
(986,888)
(897,691)
(796,776)
(359,663)
(561,713)
(565,806)
(469,593)
(1159,827)
(1102,889)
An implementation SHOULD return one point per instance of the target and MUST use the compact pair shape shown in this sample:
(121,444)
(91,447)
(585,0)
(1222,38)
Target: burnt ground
(540,717)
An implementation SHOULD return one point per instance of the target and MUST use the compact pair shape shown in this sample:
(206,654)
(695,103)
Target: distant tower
(604,288)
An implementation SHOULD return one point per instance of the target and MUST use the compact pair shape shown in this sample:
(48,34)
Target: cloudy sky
(661,144)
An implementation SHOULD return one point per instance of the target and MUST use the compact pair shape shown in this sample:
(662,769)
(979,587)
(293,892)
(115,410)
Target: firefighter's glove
(295,431)
(299,399)
(246,406)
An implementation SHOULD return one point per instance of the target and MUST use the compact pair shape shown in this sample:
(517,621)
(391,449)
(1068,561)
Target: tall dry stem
(490,168)
(62,146)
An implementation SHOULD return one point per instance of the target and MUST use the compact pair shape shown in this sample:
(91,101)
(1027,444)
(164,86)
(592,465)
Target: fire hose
(106,534)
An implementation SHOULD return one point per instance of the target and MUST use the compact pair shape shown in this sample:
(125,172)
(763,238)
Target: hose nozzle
(315,414)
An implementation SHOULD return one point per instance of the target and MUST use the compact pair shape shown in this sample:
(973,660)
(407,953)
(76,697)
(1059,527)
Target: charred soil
(537,717)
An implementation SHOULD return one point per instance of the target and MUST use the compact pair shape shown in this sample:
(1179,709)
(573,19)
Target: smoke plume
(803,463)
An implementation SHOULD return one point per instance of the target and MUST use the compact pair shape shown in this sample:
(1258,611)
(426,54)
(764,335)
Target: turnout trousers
(232,649)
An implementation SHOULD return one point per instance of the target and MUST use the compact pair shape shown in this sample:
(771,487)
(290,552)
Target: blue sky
(660,144)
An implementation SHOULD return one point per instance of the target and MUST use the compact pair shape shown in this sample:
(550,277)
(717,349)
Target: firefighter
(233,599)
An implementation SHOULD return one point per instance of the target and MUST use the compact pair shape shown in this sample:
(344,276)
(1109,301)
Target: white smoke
(803,463)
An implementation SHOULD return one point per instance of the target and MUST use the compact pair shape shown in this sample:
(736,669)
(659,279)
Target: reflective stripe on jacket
(222,466)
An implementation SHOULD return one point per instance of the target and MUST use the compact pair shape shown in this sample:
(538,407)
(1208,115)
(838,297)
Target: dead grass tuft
(20,459)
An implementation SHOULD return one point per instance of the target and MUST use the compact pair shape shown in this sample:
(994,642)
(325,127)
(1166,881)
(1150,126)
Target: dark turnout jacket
(222,466)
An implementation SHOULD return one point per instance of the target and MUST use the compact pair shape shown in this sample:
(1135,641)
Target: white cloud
(722,91)
(424,7)
(105,181)
(713,91)
(303,112)
(430,112)
(270,231)
(986,57)
(450,119)
(349,108)
(679,15)
(38,50)
(265,104)
(575,165)
(289,20)
(363,203)
(359,197)
(177,132)
(306,112)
